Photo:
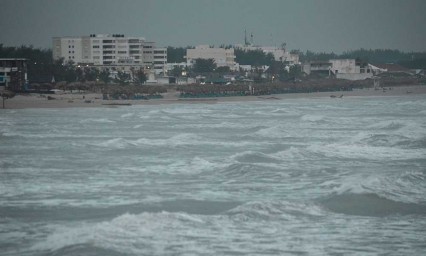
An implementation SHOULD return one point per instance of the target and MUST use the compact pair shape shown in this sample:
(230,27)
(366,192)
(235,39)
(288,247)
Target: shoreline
(90,100)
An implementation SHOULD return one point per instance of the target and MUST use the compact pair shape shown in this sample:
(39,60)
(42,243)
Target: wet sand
(69,100)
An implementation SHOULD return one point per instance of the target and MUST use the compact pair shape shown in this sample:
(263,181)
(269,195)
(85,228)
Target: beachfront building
(279,53)
(160,60)
(105,50)
(318,67)
(349,69)
(13,74)
(221,56)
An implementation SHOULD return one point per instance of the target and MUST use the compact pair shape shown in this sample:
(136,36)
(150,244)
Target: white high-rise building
(110,50)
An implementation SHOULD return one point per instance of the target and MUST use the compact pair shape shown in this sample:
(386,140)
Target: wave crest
(370,204)
(276,210)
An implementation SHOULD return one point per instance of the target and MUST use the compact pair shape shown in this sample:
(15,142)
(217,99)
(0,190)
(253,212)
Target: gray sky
(318,25)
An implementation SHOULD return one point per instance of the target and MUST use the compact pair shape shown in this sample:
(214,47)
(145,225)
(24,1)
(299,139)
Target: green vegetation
(223,69)
(42,69)
(139,76)
(367,55)
(254,58)
(204,66)
(104,76)
(220,90)
(122,78)
(176,54)
(415,63)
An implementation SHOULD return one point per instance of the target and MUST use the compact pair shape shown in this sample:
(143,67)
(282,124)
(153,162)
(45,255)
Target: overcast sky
(318,25)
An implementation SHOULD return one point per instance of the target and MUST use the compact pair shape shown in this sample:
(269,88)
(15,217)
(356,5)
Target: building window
(96,46)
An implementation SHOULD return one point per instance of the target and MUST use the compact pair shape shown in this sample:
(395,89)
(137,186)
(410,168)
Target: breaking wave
(284,210)
(370,204)
(97,120)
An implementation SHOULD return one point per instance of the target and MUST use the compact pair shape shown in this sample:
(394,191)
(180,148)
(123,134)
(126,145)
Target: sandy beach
(69,100)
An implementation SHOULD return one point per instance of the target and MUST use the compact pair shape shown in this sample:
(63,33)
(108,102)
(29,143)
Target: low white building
(13,73)
(221,56)
(182,65)
(316,66)
(350,69)
(279,53)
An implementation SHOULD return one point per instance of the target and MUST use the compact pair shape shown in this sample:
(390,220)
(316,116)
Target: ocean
(314,176)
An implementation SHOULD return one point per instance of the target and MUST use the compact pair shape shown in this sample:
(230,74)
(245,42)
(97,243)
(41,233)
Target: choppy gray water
(307,176)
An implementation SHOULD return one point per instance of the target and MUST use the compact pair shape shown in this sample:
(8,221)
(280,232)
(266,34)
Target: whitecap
(115,143)
(271,132)
(312,118)
(122,232)
(357,151)
(371,204)
(97,120)
(254,157)
(387,125)
(276,210)
(127,115)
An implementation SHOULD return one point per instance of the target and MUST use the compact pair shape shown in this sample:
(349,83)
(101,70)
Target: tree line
(42,67)
(374,56)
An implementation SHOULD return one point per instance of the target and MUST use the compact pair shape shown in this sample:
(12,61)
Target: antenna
(245,38)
